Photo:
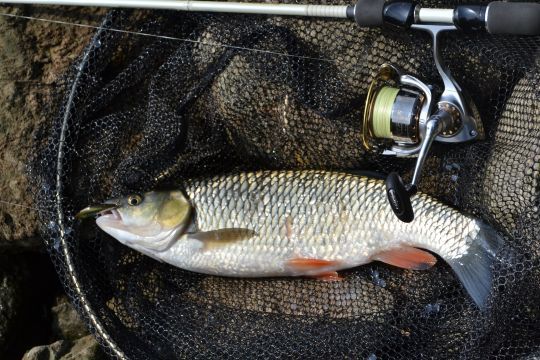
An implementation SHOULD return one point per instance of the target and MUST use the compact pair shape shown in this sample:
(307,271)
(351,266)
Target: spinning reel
(402,118)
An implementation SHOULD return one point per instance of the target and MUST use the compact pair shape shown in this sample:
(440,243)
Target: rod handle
(368,13)
(374,13)
(517,18)
(498,17)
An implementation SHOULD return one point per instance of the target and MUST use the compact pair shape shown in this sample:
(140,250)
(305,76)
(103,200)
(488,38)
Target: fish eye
(134,200)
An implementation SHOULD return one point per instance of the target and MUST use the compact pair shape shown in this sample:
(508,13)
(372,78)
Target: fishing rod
(497,17)
(402,115)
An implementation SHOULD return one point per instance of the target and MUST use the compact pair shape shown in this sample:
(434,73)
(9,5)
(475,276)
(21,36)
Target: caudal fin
(474,269)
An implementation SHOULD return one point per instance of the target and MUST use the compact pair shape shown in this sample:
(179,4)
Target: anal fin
(407,257)
(307,264)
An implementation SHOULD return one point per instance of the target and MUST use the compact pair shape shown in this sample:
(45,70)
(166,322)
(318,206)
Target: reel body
(402,118)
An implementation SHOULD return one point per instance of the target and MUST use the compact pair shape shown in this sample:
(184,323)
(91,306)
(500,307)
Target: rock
(33,57)
(48,352)
(85,348)
(75,341)
(67,323)
(16,223)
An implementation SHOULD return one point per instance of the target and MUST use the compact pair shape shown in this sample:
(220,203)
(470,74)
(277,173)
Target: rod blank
(332,11)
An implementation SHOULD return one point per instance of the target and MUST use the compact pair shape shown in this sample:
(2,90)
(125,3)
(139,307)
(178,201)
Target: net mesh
(218,93)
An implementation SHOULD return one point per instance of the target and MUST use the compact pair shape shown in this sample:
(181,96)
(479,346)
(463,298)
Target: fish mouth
(108,210)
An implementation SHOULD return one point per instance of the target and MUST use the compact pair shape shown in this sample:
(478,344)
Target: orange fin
(407,257)
(306,264)
(327,276)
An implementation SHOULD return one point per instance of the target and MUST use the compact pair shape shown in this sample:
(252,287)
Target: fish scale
(364,226)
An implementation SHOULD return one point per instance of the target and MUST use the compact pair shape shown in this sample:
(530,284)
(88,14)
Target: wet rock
(67,323)
(85,348)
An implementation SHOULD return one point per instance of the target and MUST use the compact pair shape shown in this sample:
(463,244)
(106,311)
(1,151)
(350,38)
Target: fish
(298,223)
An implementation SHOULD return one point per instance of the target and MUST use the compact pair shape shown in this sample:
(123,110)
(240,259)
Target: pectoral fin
(217,238)
(407,257)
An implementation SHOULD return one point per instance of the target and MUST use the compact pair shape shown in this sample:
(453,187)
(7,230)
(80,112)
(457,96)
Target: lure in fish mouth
(297,223)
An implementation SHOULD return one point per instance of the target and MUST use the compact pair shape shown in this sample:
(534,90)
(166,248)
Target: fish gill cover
(254,92)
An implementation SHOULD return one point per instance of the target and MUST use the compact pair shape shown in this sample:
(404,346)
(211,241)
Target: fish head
(147,222)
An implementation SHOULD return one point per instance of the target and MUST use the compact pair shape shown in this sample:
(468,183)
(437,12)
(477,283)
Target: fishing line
(30,82)
(60,22)
(382,112)
(24,206)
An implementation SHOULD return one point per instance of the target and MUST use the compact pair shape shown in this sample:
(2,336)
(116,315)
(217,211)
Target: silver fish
(298,223)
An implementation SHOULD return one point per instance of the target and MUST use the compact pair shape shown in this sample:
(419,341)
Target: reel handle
(399,195)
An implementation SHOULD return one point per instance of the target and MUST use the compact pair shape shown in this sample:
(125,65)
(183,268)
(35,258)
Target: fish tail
(474,269)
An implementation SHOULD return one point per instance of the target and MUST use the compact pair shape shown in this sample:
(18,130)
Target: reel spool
(394,112)
(402,119)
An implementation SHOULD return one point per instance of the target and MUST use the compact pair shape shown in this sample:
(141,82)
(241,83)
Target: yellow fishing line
(382,112)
